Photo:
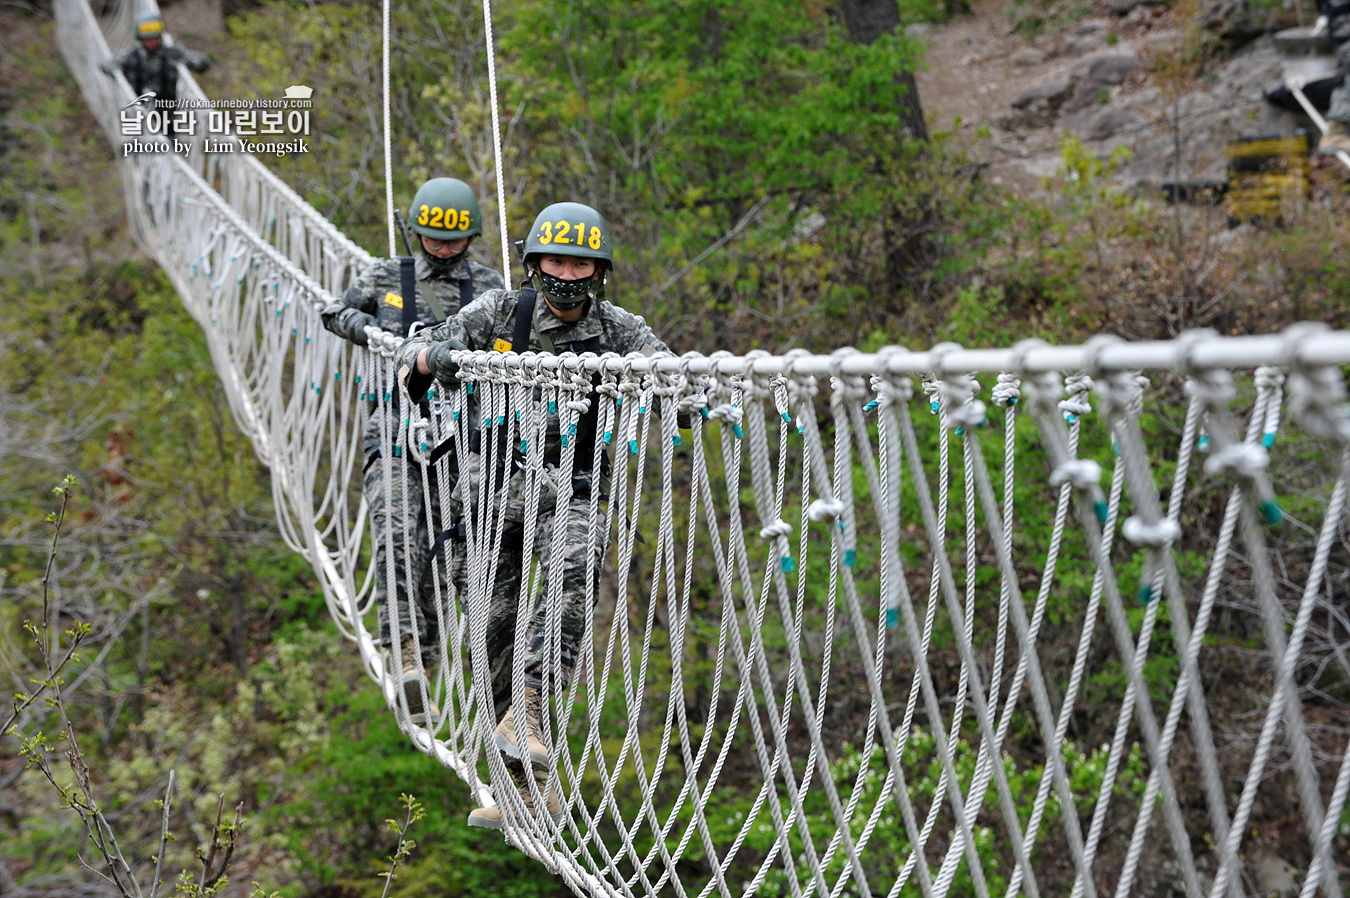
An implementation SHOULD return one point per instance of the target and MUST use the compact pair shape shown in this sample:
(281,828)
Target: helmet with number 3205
(570,229)
(445,209)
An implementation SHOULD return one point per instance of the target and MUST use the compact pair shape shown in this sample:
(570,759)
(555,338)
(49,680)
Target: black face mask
(566,295)
(441,266)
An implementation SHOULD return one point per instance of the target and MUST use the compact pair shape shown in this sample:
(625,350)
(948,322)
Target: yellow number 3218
(436,217)
(562,232)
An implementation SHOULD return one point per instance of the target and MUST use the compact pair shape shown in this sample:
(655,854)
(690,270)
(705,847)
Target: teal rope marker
(736,429)
(1070,417)
(552,407)
(632,447)
(424,446)
(487,423)
(524,445)
(960,431)
(358,379)
(786,417)
(675,440)
(517,414)
(892,618)
(468,388)
(1145,594)
(398,451)
(1271,513)
(1012,400)
(1268,440)
(871,405)
(788,564)
(337,375)
(618,400)
(609,435)
(501,419)
(703,413)
(431,394)
(850,557)
(294,332)
(1203,442)
(642,409)
(933,406)
(1115,448)
(386,395)
(1100,509)
(564,441)
(571,430)
(455,416)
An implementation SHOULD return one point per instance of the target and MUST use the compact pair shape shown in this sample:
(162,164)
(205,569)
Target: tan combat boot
(1336,141)
(491,818)
(533,725)
(413,681)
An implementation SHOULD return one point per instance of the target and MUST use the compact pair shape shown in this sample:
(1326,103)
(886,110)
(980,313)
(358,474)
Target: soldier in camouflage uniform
(151,65)
(1338,24)
(568,257)
(446,218)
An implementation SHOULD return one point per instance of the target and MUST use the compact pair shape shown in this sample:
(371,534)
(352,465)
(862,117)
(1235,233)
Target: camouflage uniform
(1338,22)
(397,513)
(157,71)
(604,328)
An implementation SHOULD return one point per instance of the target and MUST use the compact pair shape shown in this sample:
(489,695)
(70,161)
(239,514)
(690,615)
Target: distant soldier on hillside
(1337,22)
(152,65)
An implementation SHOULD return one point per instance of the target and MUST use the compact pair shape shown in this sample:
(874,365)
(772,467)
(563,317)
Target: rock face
(1112,68)
(1039,104)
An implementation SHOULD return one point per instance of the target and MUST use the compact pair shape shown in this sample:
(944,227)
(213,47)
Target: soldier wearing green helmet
(152,66)
(568,257)
(445,218)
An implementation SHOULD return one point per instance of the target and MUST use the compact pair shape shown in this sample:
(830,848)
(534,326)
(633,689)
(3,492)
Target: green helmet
(148,26)
(570,229)
(445,209)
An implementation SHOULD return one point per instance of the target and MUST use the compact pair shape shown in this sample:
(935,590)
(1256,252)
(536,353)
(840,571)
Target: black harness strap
(520,334)
(408,284)
(466,291)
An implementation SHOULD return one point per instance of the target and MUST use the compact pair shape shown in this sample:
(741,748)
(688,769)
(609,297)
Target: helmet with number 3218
(570,229)
(445,209)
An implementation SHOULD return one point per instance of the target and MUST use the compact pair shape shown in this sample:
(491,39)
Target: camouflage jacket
(490,323)
(377,293)
(156,71)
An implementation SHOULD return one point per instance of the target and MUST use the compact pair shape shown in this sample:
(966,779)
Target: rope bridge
(831,646)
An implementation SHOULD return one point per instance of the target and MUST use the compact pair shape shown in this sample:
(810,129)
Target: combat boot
(491,818)
(413,682)
(1334,142)
(533,724)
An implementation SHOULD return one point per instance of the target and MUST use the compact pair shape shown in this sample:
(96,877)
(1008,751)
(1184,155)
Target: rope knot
(1083,473)
(775,529)
(823,510)
(1079,388)
(1246,460)
(1008,389)
(1150,536)
(890,389)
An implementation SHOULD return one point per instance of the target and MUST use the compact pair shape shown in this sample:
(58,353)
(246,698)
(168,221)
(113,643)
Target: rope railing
(846,632)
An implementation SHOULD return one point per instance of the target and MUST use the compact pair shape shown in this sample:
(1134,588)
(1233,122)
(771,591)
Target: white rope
(497,158)
(388,129)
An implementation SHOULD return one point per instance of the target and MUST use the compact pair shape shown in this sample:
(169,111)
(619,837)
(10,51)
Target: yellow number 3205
(436,217)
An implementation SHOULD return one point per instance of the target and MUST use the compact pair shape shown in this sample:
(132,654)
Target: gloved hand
(356,322)
(442,366)
(1320,27)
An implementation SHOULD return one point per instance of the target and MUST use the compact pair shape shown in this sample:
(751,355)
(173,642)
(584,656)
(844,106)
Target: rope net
(952,622)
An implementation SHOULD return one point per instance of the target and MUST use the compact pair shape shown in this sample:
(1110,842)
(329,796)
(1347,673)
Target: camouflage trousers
(1340,97)
(402,538)
(550,654)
